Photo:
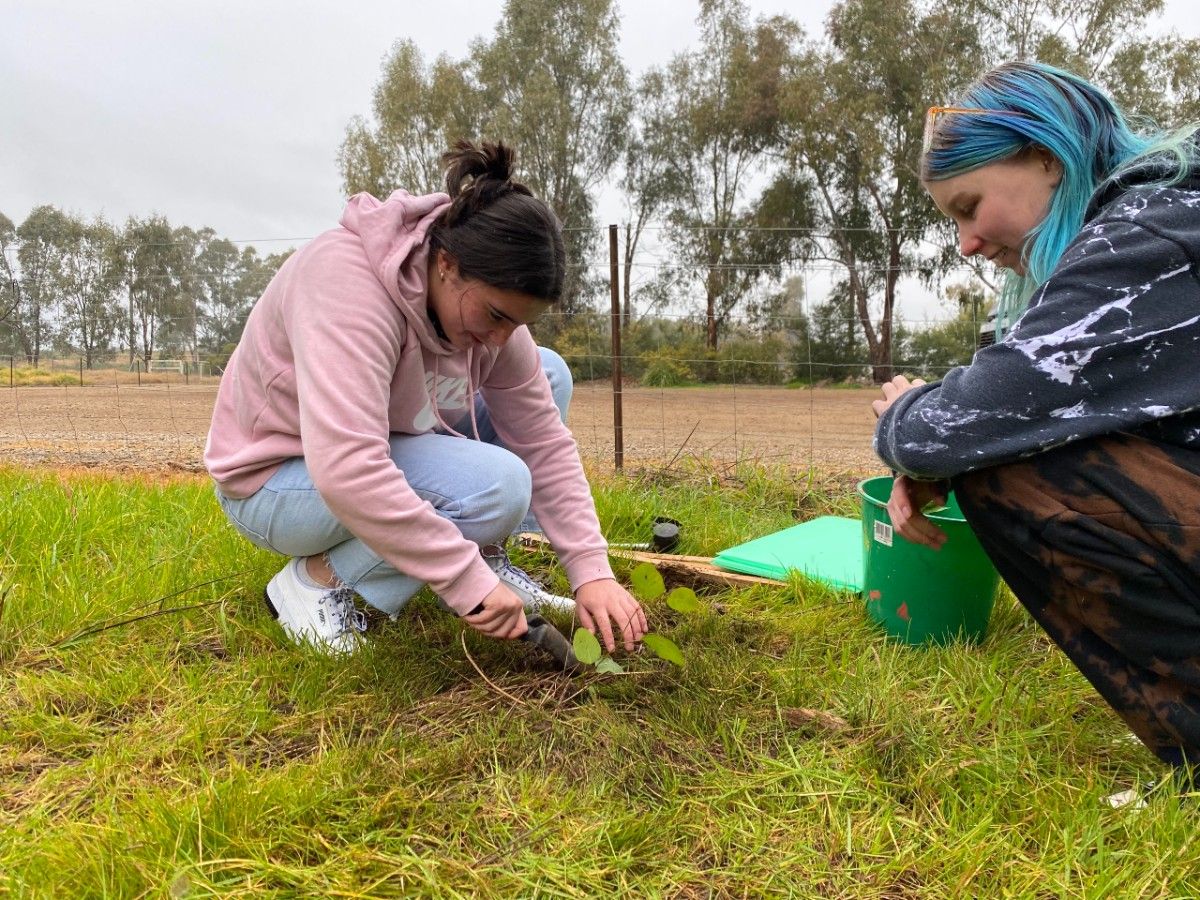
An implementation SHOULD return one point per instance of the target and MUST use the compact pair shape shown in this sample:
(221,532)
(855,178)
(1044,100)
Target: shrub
(651,339)
(745,360)
(29,377)
(585,344)
(661,368)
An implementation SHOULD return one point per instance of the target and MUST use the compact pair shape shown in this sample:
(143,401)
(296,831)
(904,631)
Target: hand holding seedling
(604,602)
(904,507)
(648,585)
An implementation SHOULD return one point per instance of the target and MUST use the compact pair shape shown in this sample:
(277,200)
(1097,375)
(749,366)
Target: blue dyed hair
(1025,105)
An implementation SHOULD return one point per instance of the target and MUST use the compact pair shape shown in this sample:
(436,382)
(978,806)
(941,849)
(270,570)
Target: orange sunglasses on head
(934,112)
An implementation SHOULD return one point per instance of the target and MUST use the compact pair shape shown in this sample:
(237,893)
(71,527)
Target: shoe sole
(270,606)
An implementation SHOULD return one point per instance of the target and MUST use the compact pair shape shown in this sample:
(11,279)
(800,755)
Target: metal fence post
(614,278)
(81,371)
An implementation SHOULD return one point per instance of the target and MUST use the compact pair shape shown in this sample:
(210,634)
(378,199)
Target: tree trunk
(37,334)
(881,356)
(27,348)
(878,351)
(710,313)
(132,332)
(627,307)
(147,342)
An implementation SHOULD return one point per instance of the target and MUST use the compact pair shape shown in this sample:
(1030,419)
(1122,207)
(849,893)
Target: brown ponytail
(495,229)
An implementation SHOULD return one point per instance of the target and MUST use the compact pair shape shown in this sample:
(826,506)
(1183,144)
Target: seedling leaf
(684,600)
(609,666)
(647,582)
(587,648)
(663,648)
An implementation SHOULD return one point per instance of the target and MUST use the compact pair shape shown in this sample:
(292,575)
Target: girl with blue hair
(1073,443)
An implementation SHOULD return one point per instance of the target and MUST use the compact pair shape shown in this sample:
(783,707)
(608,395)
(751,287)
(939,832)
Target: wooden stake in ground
(680,568)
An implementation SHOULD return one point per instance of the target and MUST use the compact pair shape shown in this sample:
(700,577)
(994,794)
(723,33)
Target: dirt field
(162,427)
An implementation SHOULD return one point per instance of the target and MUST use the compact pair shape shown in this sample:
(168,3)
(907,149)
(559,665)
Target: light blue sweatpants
(480,486)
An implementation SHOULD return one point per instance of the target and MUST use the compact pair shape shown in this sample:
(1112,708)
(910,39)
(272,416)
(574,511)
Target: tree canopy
(758,155)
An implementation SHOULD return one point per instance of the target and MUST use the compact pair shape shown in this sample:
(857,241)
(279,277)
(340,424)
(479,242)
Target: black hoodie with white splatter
(1110,342)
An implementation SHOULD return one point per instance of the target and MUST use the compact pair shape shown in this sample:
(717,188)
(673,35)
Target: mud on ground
(162,427)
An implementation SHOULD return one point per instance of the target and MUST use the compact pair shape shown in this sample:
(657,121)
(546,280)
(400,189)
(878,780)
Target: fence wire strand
(771,393)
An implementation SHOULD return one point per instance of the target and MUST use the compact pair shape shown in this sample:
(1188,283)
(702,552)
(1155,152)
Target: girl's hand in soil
(603,603)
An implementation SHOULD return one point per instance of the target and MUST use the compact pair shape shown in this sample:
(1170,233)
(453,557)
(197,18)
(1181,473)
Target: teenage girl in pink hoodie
(387,414)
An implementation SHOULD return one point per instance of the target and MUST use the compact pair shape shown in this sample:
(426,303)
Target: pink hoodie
(339,352)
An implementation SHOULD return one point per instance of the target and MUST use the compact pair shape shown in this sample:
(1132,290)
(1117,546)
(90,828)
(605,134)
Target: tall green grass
(159,737)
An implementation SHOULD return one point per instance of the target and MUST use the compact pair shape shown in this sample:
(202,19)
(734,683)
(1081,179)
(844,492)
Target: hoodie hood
(394,236)
(1159,169)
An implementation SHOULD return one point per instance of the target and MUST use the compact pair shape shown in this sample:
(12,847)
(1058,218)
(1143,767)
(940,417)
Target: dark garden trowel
(542,634)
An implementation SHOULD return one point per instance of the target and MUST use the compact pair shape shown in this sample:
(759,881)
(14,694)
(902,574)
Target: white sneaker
(325,618)
(1129,799)
(533,596)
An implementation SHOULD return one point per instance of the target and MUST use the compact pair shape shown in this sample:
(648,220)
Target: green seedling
(683,600)
(664,648)
(587,648)
(609,666)
(647,584)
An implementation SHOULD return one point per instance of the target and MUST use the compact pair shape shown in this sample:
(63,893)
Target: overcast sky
(229,113)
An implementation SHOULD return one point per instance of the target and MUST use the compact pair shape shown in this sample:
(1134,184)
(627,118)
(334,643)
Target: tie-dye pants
(1100,540)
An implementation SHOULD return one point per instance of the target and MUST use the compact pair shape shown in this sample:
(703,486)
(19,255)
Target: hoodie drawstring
(437,413)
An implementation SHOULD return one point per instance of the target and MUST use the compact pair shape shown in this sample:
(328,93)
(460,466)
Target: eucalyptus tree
(855,113)
(418,110)
(179,333)
(1107,41)
(553,82)
(1154,77)
(718,113)
(87,273)
(155,268)
(221,304)
(37,258)
(853,117)
(10,294)
(644,180)
(255,273)
(831,344)
(229,282)
(550,81)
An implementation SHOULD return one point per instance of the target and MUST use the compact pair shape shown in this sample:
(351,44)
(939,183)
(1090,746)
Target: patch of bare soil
(162,427)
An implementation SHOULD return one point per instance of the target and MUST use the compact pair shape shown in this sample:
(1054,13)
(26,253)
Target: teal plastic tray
(828,549)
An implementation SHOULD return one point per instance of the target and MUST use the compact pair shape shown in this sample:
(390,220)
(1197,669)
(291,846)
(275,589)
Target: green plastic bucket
(917,594)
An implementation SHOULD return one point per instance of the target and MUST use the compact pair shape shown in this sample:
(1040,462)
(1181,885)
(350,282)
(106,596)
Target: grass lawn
(159,737)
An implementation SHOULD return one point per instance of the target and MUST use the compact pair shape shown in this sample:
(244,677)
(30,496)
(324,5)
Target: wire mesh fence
(77,371)
(786,382)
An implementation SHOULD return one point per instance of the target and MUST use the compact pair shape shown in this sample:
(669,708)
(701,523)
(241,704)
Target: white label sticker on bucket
(883,533)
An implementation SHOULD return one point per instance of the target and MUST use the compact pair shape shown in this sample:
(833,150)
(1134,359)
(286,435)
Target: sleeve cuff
(591,566)
(468,590)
